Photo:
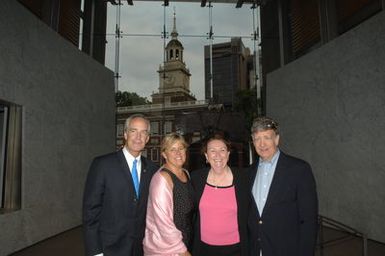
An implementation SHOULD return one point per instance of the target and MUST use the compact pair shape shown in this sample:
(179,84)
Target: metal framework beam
(239,4)
(193,1)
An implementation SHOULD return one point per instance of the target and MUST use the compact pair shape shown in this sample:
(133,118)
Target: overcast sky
(140,56)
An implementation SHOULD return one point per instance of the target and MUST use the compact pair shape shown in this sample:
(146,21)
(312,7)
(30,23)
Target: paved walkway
(70,243)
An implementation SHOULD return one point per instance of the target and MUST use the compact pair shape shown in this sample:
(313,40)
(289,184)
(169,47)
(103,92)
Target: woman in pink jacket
(170,204)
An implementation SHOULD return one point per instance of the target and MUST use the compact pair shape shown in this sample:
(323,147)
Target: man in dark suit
(115,195)
(283,216)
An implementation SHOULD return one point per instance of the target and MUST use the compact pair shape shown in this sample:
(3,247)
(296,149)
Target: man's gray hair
(129,119)
(264,123)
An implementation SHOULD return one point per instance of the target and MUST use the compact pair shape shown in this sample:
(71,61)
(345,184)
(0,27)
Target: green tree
(124,99)
(248,103)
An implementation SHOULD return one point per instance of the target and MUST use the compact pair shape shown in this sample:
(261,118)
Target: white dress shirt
(130,160)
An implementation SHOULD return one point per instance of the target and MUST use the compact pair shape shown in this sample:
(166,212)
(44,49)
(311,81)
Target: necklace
(218,182)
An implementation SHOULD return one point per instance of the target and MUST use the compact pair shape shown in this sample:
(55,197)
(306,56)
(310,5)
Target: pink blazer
(161,235)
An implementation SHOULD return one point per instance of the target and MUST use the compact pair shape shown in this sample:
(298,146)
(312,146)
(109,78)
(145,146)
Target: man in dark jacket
(115,196)
(283,216)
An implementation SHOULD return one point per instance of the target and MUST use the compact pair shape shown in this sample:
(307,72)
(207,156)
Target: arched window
(177,54)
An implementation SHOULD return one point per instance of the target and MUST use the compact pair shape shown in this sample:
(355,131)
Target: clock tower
(174,76)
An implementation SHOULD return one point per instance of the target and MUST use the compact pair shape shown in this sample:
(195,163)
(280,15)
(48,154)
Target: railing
(349,233)
(171,105)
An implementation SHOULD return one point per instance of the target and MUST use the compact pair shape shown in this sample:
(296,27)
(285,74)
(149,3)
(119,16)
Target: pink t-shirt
(218,213)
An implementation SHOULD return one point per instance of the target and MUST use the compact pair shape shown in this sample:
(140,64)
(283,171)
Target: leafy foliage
(248,103)
(124,99)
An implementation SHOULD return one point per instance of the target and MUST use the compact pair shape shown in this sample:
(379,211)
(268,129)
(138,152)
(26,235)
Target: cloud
(140,56)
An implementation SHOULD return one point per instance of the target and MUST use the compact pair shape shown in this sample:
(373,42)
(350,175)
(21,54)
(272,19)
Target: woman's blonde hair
(170,139)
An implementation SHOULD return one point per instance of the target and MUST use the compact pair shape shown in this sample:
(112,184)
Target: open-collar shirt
(263,180)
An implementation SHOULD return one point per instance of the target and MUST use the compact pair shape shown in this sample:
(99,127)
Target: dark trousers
(220,250)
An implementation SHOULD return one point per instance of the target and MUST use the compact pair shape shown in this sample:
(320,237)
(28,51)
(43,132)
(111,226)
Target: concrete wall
(331,106)
(68,118)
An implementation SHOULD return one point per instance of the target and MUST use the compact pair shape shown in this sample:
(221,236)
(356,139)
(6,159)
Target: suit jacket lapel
(202,183)
(144,174)
(124,166)
(277,182)
(237,184)
(253,175)
(126,171)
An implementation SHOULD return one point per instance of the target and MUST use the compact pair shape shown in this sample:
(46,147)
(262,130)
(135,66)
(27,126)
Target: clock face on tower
(169,79)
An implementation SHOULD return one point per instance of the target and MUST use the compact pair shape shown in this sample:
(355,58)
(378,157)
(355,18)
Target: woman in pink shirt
(223,201)
(170,204)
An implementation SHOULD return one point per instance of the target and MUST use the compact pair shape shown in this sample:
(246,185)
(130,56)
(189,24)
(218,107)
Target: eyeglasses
(271,125)
(265,124)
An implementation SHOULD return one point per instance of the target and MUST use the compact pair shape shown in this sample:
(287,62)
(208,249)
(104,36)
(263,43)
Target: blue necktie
(135,178)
